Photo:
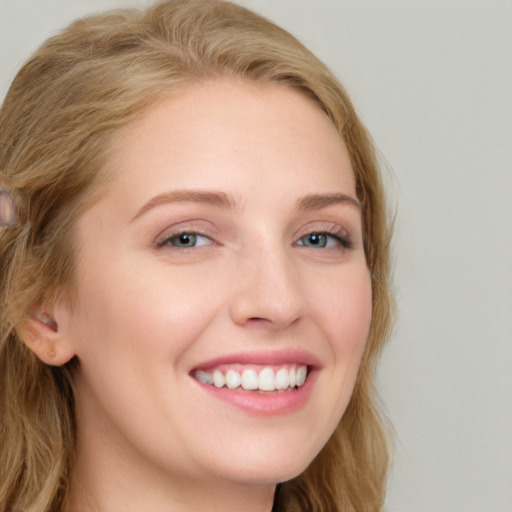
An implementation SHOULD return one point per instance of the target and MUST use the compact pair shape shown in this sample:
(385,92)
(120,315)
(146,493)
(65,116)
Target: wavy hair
(57,124)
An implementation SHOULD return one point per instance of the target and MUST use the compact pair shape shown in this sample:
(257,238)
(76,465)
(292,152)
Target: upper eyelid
(200,226)
(168,234)
(323,226)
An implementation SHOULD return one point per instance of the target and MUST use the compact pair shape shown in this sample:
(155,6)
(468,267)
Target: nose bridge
(267,286)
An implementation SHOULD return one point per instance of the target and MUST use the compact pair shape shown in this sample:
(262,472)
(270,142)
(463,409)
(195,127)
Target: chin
(265,470)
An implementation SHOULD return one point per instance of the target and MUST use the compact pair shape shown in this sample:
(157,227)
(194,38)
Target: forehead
(209,132)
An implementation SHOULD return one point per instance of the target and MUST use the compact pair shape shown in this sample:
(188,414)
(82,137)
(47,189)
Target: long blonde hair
(56,125)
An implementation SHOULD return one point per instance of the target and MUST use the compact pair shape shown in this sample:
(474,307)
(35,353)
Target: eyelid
(338,240)
(343,239)
(161,240)
(326,227)
(333,242)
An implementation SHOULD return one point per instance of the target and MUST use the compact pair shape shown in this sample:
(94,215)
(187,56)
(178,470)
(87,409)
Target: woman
(196,291)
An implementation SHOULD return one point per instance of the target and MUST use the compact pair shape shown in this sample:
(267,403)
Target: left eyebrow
(319,201)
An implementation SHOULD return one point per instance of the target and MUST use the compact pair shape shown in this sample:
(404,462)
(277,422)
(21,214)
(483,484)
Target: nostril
(272,300)
(269,323)
(258,321)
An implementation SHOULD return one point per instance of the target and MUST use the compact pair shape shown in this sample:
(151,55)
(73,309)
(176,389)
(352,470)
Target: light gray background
(433,82)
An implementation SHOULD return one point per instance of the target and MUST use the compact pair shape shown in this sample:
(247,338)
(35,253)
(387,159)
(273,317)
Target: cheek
(144,313)
(344,307)
(344,311)
(135,331)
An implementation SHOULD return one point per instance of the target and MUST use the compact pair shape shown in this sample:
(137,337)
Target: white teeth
(233,379)
(282,379)
(268,379)
(204,377)
(250,379)
(302,373)
(218,379)
(293,378)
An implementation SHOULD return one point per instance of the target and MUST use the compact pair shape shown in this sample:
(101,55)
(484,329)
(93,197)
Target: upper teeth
(268,378)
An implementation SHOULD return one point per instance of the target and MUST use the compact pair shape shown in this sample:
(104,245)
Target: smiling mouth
(254,378)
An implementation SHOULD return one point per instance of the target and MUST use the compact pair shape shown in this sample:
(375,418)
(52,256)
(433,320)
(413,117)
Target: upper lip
(263,357)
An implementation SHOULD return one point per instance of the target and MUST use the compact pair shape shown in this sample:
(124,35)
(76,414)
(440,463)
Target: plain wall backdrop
(432,80)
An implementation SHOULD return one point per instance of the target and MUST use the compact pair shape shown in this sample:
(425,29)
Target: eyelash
(341,240)
(339,236)
(167,239)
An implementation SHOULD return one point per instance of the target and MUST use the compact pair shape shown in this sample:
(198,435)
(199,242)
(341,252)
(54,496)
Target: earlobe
(42,335)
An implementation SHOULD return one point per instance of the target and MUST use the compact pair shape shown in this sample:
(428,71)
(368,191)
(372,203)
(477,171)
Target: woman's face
(227,249)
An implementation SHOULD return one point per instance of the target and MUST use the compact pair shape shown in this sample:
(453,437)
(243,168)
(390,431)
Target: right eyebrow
(212,197)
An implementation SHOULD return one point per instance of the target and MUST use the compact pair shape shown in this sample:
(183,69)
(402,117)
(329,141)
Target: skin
(150,437)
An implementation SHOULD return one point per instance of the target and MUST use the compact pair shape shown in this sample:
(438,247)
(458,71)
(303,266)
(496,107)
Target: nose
(266,290)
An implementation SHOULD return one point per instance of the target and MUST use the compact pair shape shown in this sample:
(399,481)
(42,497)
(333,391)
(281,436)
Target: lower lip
(264,403)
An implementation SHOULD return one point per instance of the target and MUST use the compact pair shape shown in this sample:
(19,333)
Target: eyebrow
(214,198)
(319,201)
(223,200)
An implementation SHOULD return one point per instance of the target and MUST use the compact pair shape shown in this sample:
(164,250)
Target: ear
(44,333)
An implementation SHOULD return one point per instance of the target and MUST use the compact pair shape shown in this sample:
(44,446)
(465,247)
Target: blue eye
(187,240)
(322,241)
